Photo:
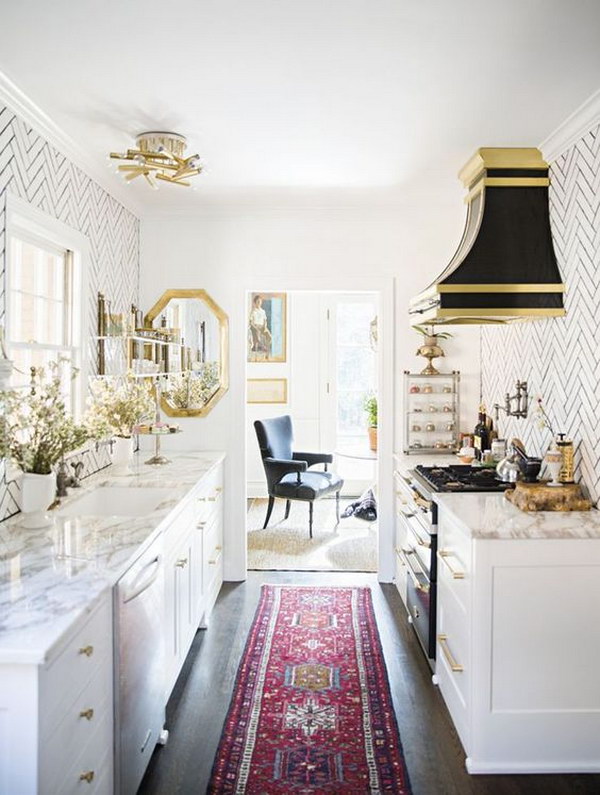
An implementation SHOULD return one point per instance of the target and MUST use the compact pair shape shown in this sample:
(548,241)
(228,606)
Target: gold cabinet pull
(182,563)
(88,714)
(443,555)
(87,650)
(454,666)
(216,558)
(87,776)
(200,525)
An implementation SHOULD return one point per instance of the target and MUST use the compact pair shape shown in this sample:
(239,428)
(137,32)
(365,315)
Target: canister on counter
(567,469)
(498,449)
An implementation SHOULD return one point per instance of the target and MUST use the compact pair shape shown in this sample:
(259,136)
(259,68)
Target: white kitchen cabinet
(193,570)
(57,665)
(518,646)
(57,718)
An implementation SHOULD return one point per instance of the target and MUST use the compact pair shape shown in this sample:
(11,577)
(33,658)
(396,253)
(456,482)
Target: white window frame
(26,222)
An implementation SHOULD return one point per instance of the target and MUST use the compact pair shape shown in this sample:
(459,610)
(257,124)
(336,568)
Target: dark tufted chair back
(275,437)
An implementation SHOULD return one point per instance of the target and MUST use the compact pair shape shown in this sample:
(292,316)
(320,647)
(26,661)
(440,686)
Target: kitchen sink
(117,501)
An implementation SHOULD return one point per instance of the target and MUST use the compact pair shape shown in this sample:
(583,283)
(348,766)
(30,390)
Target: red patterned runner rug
(311,711)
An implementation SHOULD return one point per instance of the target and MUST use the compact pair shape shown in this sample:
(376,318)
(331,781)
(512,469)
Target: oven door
(419,541)
(420,601)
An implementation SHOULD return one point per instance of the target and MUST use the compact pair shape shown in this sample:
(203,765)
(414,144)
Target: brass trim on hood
(501,311)
(505,157)
(500,288)
(506,182)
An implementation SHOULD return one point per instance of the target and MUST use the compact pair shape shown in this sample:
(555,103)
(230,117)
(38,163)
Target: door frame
(384,288)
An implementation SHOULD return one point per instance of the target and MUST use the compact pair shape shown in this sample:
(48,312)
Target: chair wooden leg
(288,504)
(269,511)
(337,508)
(310,518)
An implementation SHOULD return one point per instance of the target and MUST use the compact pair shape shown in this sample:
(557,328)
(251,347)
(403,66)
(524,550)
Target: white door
(349,368)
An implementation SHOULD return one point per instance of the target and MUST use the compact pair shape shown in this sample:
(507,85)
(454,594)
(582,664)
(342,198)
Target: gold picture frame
(267,327)
(267,390)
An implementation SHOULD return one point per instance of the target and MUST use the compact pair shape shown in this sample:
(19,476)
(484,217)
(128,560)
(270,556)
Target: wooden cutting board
(542,497)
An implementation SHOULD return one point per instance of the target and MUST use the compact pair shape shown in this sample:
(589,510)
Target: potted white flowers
(36,432)
(115,407)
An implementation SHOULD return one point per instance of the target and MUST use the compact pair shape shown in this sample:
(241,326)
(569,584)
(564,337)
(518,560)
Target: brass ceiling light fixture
(159,156)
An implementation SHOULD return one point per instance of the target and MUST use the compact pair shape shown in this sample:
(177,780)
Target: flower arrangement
(114,407)
(193,389)
(543,418)
(35,429)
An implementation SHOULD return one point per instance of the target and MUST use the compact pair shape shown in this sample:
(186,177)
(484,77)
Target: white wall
(302,371)
(225,249)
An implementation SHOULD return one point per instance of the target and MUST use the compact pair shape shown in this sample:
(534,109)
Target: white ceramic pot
(37,493)
(122,452)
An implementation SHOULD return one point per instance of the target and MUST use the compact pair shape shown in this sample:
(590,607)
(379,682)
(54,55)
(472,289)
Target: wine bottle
(481,435)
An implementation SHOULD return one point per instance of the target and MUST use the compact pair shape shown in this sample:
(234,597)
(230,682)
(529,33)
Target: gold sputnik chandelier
(159,156)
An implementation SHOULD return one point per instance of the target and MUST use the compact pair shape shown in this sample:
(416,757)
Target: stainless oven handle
(408,514)
(420,542)
(413,574)
(424,505)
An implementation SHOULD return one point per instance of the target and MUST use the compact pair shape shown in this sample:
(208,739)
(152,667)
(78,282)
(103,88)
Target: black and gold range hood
(505,267)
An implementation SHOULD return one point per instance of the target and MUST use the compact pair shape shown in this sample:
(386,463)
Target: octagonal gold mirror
(194,351)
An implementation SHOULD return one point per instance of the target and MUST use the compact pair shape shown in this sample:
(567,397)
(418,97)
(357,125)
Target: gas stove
(460,478)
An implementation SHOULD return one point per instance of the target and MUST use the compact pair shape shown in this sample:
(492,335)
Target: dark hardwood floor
(433,752)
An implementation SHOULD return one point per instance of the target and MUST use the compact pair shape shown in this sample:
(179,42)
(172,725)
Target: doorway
(326,374)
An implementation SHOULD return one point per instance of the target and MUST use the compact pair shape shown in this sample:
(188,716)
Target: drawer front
(63,679)
(209,496)
(92,769)
(401,575)
(80,720)
(453,657)
(453,539)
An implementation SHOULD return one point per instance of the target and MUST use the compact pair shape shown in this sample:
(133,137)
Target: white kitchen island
(60,646)
(518,634)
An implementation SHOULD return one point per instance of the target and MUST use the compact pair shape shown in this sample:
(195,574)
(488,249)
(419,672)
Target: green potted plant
(36,432)
(430,348)
(115,407)
(370,406)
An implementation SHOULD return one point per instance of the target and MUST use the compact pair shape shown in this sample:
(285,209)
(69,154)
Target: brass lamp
(159,156)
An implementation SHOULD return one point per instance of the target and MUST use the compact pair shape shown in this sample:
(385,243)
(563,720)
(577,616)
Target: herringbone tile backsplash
(560,358)
(36,172)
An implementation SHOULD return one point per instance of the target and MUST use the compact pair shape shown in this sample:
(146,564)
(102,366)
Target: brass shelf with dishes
(432,412)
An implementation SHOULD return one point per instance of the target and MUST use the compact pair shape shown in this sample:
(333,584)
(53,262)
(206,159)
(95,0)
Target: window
(43,320)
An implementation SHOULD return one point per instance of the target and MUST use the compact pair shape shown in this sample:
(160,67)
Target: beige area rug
(285,544)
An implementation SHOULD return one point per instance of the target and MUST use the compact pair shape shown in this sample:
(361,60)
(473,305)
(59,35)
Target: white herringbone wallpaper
(36,172)
(560,358)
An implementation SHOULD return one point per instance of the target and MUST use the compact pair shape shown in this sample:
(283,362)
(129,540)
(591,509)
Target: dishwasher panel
(140,706)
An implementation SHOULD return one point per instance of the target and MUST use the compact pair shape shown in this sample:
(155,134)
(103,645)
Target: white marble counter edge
(40,654)
(490,516)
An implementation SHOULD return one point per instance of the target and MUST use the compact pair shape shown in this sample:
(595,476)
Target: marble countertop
(51,576)
(490,515)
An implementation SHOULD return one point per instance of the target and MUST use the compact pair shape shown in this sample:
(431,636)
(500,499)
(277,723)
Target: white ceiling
(305,97)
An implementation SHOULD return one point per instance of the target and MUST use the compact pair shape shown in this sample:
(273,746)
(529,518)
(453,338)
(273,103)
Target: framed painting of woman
(267,327)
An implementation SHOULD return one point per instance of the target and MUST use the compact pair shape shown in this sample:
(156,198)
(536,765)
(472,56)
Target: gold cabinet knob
(87,776)
(87,650)
(182,563)
(88,714)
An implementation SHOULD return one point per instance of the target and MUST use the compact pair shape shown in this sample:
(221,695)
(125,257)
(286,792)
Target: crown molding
(572,129)
(12,96)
